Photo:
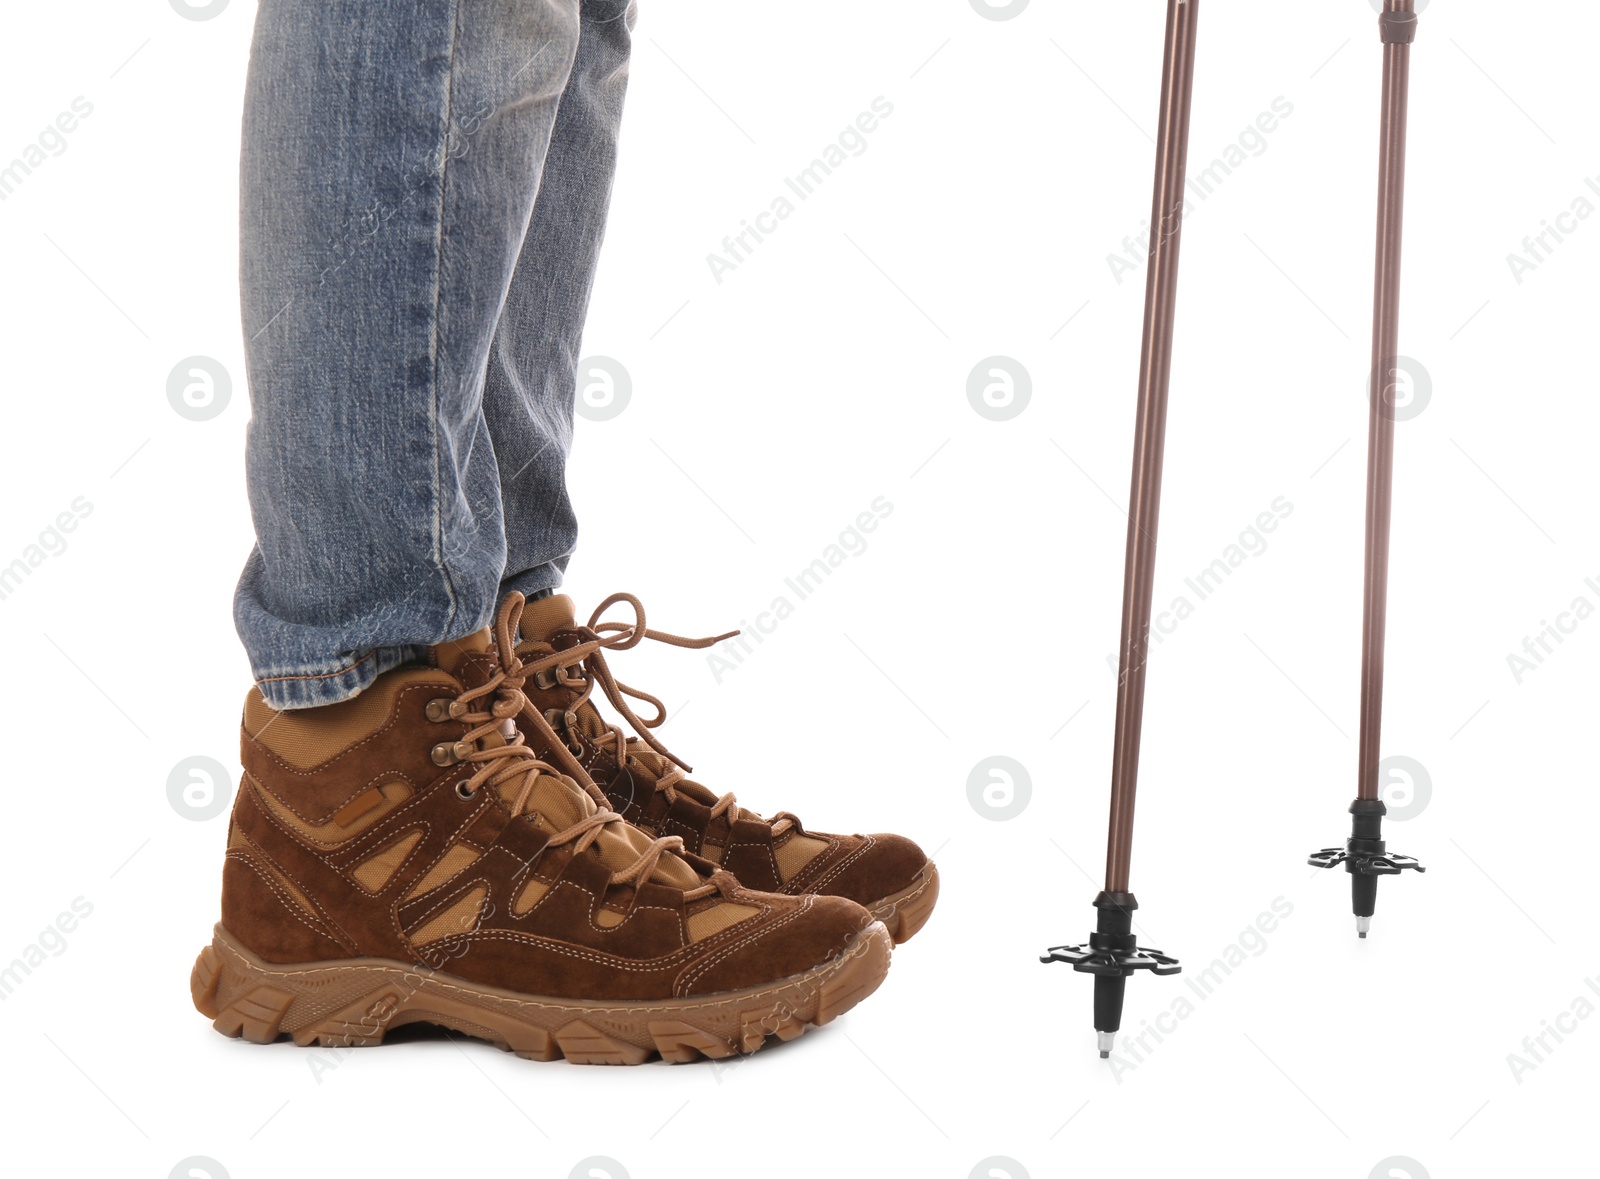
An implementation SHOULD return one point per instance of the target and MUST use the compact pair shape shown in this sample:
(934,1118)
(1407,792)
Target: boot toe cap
(886,865)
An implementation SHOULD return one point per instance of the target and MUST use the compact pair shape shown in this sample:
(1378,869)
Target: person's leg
(392,156)
(529,389)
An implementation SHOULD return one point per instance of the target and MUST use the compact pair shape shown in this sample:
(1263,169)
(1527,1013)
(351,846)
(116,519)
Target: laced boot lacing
(580,667)
(503,757)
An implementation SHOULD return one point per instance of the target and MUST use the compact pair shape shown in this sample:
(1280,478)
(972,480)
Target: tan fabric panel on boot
(457,858)
(461,917)
(307,737)
(452,653)
(559,803)
(717,918)
(532,893)
(623,843)
(796,852)
(543,618)
(373,874)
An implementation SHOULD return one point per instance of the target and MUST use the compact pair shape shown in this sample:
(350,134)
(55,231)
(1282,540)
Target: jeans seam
(313,690)
(325,675)
(440,559)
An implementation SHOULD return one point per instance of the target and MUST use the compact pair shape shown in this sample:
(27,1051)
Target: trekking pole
(1365,856)
(1113,953)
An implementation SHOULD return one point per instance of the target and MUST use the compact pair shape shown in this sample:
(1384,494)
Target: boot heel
(238,1000)
(203,982)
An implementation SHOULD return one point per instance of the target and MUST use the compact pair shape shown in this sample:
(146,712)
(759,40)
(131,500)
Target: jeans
(424,186)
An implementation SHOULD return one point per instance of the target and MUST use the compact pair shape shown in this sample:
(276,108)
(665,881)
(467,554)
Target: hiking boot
(405,856)
(565,662)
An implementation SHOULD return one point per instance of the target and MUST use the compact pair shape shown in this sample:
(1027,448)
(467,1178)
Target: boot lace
(503,758)
(581,667)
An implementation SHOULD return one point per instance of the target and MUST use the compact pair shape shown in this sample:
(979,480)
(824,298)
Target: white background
(767,412)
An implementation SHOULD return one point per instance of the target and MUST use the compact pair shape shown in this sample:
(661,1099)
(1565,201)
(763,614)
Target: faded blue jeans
(424,187)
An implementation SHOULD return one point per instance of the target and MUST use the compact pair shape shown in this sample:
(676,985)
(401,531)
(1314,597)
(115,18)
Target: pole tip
(1105,1040)
(1363,924)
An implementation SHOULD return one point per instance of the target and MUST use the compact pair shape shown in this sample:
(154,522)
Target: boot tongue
(548,617)
(543,619)
(541,622)
(557,800)
(558,803)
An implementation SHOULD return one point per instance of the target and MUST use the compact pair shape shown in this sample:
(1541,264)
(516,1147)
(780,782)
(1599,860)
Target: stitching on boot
(698,971)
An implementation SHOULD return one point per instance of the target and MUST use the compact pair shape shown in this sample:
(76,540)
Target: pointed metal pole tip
(1105,1040)
(1363,924)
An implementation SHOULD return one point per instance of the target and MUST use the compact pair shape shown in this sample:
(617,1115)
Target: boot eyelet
(555,718)
(544,679)
(444,754)
(438,711)
(464,790)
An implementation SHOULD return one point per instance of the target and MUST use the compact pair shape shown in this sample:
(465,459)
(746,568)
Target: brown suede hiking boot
(564,662)
(404,856)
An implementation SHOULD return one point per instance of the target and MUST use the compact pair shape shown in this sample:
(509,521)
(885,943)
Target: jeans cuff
(315,687)
(533,584)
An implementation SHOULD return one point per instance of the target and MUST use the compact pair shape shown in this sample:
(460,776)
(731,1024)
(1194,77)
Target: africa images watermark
(433,959)
(51,943)
(1538,647)
(1537,1049)
(1204,183)
(1251,542)
(852,141)
(1539,247)
(1136,1049)
(51,542)
(52,141)
(728,656)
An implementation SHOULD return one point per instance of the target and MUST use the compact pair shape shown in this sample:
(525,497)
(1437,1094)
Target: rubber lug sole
(357,1001)
(908,910)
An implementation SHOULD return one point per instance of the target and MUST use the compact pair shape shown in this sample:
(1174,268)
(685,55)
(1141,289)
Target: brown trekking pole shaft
(1112,953)
(1149,441)
(1382,390)
(1365,856)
